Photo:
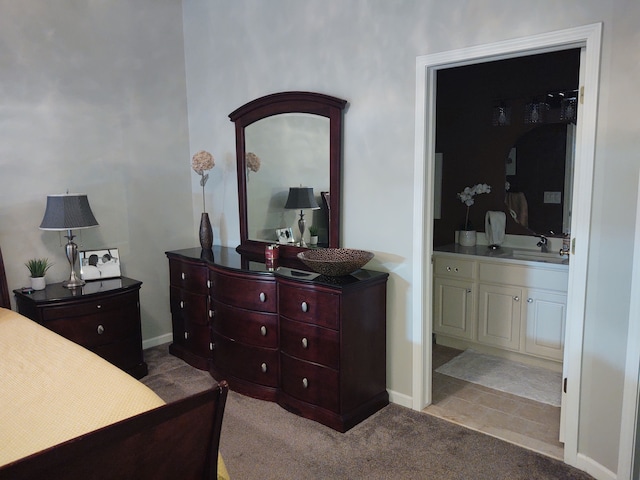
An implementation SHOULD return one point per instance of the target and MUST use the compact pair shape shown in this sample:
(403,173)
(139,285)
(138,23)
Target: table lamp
(70,211)
(301,198)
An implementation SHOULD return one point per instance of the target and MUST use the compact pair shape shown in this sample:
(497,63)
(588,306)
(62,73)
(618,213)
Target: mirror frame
(290,102)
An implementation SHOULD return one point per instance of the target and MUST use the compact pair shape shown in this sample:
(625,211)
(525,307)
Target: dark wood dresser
(315,345)
(102,316)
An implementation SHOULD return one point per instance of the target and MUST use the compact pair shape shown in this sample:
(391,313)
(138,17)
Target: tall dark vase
(206,233)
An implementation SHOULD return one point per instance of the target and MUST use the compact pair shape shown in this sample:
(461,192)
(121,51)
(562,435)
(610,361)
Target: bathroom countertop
(508,254)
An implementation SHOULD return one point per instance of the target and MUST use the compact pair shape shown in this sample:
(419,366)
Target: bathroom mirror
(285,140)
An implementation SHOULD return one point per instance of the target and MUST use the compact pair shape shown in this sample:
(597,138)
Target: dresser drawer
(189,305)
(454,267)
(109,306)
(188,276)
(254,328)
(309,305)
(253,364)
(309,382)
(99,328)
(125,355)
(250,294)
(310,342)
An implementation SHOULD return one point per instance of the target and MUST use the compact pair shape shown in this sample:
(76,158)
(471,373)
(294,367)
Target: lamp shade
(70,211)
(301,197)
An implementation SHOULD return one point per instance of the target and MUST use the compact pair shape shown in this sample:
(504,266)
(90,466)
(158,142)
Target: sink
(537,256)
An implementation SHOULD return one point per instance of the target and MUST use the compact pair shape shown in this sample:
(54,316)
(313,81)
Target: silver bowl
(335,262)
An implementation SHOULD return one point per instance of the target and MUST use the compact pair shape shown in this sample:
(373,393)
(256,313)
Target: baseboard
(155,341)
(594,469)
(400,399)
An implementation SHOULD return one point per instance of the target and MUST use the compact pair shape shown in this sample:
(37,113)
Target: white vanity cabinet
(454,299)
(505,304)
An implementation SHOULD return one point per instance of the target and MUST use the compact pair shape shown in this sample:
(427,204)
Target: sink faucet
(543,244)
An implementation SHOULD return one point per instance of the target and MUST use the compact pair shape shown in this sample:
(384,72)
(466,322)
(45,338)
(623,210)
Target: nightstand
(102,316)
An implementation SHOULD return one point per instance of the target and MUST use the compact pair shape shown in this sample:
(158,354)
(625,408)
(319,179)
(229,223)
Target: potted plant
(313,235)
(467,235)
(37,269)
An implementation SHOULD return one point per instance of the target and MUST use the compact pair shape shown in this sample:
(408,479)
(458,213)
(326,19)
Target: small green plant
(313,231)
(38,266)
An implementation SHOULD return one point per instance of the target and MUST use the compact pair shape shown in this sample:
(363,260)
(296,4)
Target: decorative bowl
(335,262)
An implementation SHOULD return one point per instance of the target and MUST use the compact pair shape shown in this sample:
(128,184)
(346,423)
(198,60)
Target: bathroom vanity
(505,301)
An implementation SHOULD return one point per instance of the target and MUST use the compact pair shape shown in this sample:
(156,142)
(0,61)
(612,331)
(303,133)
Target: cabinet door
(545,321)
(499,316)
(454,313)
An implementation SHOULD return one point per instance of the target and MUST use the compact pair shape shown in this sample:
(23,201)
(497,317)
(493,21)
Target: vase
(206,233)
(467,238)
(38,283)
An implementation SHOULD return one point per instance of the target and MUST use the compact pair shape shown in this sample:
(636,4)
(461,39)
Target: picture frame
(99,264)
(285,235)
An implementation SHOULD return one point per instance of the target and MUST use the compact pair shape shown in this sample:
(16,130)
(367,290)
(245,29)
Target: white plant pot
(38,283)
(467,238)
(313,240)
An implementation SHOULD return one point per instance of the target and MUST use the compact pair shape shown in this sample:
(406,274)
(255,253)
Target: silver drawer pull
(529,300)
(263,331)
(305,383)
(516,298)
(98,306)
(181,304)
(448,269)
(263,367)
(208,283)
(186,335)
(100,329)
(455,269)
(212,313)
(305,343)
(211,346)
(263,297)
(183,276)
(305,307)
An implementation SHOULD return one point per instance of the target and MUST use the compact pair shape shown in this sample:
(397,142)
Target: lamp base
(72,255)
(73,282)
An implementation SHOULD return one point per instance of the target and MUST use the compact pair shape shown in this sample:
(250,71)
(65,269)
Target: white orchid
(466,197)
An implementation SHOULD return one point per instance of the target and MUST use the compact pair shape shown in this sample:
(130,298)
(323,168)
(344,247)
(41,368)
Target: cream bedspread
(52,390)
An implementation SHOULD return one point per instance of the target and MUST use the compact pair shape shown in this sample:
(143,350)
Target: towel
(518,208)
(494,223)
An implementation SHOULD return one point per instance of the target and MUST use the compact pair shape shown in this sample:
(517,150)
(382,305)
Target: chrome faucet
(543,244)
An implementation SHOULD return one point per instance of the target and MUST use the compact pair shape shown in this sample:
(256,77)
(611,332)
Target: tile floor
(518,420)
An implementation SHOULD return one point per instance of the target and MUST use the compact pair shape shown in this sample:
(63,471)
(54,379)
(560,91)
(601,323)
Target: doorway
(587,38)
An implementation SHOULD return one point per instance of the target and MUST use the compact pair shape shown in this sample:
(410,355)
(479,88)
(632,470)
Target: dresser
(102,316)
(315,345)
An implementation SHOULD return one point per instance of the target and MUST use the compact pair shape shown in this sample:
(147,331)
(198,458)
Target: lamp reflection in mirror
(301,198)
(501,115)
(70,211)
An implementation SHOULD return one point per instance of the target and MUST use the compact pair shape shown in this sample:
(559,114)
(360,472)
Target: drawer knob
(212,313)
(263,331)
(305,307)
(455,269)
(263,367)
(305,383)
(98,306)
(211,346)
(529,300)
(186,335)
(183,276)
(100,329)
(263,297)
(305,343)
(516,298)
(181,304)
(448,269)
(208,283)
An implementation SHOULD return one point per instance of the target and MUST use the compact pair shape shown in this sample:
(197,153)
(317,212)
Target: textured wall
(93,100)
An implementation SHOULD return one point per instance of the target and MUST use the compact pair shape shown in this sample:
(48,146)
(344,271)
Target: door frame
(589,38)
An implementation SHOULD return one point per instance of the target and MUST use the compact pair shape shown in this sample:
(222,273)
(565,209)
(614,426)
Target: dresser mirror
(285,140)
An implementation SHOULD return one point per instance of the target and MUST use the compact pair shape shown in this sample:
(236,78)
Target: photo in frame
(99,264)
(285,235)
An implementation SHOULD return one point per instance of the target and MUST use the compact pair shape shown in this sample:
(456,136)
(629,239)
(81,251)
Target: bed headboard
(4,289)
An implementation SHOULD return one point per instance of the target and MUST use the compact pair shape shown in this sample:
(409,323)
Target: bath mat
(519,379)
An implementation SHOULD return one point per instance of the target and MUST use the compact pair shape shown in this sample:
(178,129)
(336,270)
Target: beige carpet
(262,441)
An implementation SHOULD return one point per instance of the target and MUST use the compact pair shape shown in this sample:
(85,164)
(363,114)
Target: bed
(67,413)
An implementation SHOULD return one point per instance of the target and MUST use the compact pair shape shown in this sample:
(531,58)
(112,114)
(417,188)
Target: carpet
(519,379)
(262,441)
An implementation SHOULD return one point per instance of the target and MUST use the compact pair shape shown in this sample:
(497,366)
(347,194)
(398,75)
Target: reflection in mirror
(539,178)
(293,151)
(285,140)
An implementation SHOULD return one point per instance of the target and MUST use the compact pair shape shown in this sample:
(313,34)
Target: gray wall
(365,52)
(93,100)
